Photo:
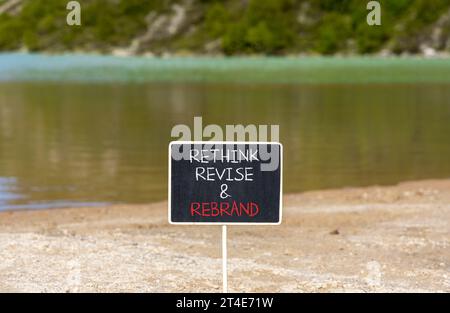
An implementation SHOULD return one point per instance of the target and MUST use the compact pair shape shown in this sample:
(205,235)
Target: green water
(71,143)
(236,70)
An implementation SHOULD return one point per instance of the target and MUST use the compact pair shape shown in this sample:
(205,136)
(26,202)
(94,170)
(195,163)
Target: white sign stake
(224,259)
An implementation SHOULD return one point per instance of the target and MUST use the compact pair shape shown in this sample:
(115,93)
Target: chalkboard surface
(225,182)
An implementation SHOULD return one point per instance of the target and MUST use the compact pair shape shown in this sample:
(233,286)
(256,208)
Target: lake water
(69,143)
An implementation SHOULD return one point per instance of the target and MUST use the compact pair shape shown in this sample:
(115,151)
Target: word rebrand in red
(214,209)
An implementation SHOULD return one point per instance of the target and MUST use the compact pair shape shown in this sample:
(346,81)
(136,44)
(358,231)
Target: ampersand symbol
(223,191)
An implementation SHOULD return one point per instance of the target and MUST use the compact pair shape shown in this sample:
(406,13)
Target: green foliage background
(242,27)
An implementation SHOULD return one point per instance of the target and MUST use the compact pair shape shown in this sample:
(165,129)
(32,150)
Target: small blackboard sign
(225,182)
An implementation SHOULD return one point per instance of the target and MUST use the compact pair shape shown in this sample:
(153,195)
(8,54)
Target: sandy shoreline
(357,239)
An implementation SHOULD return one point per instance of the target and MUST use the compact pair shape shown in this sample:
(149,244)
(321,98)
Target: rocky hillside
(227,27)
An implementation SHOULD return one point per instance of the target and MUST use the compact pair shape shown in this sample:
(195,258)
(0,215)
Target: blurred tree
(243,27)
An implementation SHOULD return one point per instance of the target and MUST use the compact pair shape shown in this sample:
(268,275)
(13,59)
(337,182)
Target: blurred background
(86,111)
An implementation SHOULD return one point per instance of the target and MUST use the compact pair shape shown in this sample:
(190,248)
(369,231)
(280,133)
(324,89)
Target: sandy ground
(373,239)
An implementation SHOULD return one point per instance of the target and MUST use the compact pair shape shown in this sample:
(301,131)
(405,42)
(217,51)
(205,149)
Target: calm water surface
(69,144)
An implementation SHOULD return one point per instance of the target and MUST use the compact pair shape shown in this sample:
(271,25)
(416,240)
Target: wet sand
(375,239)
